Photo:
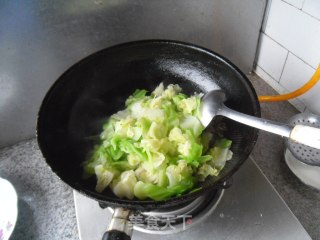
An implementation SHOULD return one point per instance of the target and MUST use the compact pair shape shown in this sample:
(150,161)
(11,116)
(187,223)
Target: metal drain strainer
(300,151)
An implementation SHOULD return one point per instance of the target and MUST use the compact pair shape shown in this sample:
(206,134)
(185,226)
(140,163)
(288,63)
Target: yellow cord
(277,98)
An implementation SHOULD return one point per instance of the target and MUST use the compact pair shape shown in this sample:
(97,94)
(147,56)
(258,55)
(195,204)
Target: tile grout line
(285,61)
(307,12)
(300,9)
(276,82)
(318,19)
(290,51)
(295,102)
(302,5)
(303,60)
(273,80)
(290,4)
(267,74)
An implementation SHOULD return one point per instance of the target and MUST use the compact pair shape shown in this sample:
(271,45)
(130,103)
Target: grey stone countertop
(46,207)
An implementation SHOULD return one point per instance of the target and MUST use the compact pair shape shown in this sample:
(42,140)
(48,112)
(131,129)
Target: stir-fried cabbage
(156,147)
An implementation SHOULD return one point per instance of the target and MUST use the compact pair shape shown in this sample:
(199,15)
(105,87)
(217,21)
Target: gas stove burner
(176,219)
(245,211)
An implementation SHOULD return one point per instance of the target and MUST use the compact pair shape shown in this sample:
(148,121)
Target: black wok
(79,102)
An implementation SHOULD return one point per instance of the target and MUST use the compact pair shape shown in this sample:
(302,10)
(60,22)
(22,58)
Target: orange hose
(277,98)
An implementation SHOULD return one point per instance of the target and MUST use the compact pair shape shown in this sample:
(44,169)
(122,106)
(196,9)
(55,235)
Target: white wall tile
(278,88)
(271,56)
(295,74)
(296,3)
(295,30)
(312,7)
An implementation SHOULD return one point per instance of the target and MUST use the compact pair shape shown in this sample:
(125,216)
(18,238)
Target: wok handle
(120,227)
(115,235)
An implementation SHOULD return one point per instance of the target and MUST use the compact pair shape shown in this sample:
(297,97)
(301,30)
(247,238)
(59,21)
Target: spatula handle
(309,136)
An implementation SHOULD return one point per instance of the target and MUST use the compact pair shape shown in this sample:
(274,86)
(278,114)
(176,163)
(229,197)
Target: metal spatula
(212,105)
